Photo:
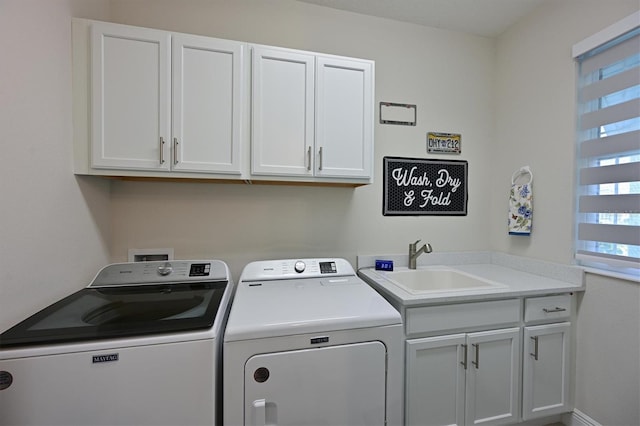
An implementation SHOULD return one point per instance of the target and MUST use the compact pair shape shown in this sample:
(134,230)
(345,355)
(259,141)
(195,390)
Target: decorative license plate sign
(444,143)
(415,186)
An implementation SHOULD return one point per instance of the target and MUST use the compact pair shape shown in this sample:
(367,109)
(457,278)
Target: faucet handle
(416,243)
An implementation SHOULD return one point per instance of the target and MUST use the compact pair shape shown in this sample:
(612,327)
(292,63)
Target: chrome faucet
(414,253)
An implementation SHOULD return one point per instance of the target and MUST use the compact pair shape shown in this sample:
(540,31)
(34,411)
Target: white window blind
(608,205)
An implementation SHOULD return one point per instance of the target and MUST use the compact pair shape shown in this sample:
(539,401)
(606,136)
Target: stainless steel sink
(437,279)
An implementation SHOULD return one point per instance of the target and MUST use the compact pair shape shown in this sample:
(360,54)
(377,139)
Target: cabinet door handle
(535,347)
(556,309)
(320,162)
(175,150)
(464,362)
(477,361)
(161,150)
(309,159)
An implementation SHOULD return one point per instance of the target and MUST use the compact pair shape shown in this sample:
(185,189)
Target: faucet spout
(414,252)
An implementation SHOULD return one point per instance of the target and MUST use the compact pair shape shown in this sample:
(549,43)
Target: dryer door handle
(259,412)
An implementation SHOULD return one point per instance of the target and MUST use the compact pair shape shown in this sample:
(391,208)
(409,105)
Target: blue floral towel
(521,204)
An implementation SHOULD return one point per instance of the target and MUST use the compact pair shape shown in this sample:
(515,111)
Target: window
(608,203)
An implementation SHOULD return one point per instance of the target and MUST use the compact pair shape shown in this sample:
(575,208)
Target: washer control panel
(295,268)
(158,272)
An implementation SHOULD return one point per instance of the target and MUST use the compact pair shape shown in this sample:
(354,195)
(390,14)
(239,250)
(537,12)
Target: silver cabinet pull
(161,150)
(175,150)
(535,347)
(309,159)
(464,363)
(477,361)
(320,162)
(556,309)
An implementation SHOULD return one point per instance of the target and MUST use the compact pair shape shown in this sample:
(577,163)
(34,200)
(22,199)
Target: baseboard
(545,421)
(578,418)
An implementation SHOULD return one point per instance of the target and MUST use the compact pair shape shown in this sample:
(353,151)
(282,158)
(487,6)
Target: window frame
(593,45)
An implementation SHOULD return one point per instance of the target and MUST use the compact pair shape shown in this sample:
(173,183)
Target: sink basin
(418,281)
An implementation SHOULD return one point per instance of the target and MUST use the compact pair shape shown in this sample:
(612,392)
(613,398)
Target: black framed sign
(417,186)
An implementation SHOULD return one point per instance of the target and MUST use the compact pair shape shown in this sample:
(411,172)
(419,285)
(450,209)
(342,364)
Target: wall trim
(578,418)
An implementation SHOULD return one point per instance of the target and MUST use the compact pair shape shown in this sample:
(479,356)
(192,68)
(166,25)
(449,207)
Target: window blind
(608,204)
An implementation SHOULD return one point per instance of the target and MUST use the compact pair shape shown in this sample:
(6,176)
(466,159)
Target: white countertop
(519,277)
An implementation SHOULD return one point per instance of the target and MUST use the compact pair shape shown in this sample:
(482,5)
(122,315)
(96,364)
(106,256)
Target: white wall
(535,119)
(608,351)
(535,122)
(448,75)
(54,227)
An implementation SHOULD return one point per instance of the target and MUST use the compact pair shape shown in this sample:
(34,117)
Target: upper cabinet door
(130,97)
(282,112)
(344,117)
(207,96)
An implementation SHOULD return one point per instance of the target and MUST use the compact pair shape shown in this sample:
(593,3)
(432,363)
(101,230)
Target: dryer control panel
(296,268)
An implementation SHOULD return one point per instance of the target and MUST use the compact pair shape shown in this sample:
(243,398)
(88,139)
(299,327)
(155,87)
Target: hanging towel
(521,203)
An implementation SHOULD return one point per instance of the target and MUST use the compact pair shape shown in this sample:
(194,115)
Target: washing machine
(310,343)
(140,345)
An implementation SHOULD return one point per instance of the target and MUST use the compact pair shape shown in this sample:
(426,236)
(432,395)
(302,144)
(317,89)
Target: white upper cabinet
(152,103)
(344,117)
(138,123)
(130,90)
(282,112)
(207,98)
(312,115)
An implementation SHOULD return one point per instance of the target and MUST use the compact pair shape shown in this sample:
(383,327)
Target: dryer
(310,343)
(139,346)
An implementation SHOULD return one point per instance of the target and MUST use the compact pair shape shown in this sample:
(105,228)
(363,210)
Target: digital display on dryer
(328,268)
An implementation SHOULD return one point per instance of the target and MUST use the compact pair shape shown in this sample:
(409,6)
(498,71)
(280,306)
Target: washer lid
(309,305)
(127,300)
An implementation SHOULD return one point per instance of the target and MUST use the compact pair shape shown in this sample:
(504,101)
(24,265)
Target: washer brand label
(105,358)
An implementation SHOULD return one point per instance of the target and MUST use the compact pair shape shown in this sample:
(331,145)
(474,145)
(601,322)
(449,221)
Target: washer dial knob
(299,266)
(165,269)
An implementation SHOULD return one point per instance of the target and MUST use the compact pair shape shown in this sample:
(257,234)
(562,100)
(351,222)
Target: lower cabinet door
(546,370)
(435,381)
(493,377)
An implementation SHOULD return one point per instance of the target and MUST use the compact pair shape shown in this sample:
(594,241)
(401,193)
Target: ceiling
(488,18)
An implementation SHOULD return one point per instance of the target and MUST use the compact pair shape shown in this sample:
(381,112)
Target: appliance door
(336,385)
(166,384)
(125,311)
